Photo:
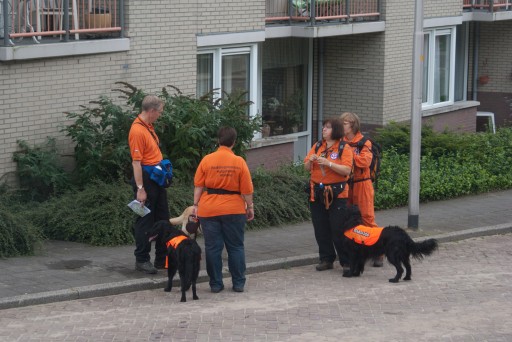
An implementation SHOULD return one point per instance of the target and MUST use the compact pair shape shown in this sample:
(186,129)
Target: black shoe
(324,265)
(146,267)
(238,289)
(217,289)
(160,266)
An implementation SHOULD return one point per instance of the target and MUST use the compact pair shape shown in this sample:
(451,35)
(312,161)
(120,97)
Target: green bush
(38,171)
(18,236)
(187,130)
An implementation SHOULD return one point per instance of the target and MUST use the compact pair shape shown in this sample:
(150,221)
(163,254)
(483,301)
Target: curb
(127,286)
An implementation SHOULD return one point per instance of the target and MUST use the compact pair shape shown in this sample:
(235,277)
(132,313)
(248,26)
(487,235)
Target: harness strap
(211,191)
(174,243)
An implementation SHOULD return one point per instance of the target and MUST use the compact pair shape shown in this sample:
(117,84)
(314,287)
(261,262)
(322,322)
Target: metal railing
(321,10)
(52,19)
(487,5)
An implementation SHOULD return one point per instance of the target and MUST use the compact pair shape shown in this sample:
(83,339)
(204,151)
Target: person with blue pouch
(151,176)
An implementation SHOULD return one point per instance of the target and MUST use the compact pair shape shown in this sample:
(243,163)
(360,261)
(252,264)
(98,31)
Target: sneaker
(238,289)
(324,265)
(217,289)
(378,262)
(146,267)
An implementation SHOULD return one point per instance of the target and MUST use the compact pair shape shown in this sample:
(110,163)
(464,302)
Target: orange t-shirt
(143,143)
(362,158)
(223,169)
(329,176)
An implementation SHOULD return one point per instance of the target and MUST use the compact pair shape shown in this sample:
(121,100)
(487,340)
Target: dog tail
(423,248)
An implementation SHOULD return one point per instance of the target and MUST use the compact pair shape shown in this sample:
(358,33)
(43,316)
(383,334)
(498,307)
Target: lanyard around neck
(141,122)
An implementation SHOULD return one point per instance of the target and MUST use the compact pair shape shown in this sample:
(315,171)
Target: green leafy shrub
(18,236)
(97,215)
(187,129)
(38,171)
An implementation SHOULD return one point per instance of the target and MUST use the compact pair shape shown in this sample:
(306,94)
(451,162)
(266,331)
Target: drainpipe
(476,46)
(320,94)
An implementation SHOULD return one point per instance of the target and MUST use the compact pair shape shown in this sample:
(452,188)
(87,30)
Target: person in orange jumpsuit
(361,192)
(329,192)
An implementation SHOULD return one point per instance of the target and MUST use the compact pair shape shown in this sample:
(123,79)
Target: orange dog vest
(364,235)
(174,242)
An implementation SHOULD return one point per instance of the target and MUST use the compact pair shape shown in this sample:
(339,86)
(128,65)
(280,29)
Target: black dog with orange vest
(183,256)
(363,243)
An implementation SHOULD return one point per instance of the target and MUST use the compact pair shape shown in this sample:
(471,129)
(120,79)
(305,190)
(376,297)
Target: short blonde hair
(355,123)
(151,102)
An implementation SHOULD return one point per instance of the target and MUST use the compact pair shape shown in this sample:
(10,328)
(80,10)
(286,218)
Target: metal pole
(417,78)
(320,94)
(6,18)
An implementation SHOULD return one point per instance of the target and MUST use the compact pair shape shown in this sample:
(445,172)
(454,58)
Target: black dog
(393,241)
(183,255)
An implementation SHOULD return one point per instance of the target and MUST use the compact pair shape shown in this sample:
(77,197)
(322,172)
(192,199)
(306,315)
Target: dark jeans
(327,226)
(157,202)
(228,230)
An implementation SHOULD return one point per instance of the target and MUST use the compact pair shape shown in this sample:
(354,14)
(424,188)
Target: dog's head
(164,230)
(352,218)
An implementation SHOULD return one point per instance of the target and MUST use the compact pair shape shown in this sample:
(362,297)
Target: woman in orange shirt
(223,202)
(329,192)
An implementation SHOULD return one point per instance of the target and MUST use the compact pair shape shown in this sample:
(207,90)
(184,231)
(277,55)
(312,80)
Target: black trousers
(157,202)
(327,226)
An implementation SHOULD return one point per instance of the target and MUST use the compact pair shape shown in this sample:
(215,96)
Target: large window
(284,90)
(438,67)
(228,71)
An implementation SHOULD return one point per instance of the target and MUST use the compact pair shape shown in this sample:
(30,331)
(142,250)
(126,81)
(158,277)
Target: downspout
(320,85)
(476,46)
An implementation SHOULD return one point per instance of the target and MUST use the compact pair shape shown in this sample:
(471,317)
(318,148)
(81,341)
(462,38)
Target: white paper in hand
(138,209)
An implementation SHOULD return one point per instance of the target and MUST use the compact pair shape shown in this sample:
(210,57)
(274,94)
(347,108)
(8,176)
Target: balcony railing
(487,5)
(296,11)
(40,21)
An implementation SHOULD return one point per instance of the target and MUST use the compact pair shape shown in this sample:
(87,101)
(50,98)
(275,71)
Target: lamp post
(415,148)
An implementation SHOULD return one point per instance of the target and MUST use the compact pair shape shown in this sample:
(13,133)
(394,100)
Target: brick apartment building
(300,60)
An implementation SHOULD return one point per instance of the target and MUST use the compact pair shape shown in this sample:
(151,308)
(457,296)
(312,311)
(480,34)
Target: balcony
(35,28)
(315,12)
(487,10)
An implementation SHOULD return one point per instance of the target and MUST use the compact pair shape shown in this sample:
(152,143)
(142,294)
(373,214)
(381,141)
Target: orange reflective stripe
(174,242)
(364,235)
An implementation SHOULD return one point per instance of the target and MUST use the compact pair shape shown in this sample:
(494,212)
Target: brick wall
(35,93)
(353,77)
(463,120)
(442,8)
(270,157)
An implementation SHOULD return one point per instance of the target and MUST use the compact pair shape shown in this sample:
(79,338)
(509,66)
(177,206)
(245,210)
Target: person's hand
(141,196)
(250,214)
(194,210)
(322,161)
(313,158)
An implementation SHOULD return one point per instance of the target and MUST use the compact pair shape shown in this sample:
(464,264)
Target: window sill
(61,49)
(449,108)
(276,140)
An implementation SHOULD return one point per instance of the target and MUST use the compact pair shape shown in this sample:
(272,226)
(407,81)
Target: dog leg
(399,272)
(171,272)
(408,269)
(194,293)
(183,296)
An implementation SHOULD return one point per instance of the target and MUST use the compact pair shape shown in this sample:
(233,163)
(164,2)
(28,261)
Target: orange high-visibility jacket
(174,243)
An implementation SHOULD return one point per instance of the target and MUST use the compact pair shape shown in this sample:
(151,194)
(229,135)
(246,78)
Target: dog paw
(168,289)
(407,278)
(347,275)
(195,297)
(393,280)
(183,300)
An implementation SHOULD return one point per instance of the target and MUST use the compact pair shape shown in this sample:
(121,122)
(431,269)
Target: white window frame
(219,52)
(433,33)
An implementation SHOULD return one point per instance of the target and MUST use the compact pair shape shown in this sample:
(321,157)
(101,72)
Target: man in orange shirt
(145,151)
(223,202)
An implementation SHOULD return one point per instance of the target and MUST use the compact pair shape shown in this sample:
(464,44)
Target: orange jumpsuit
(361,192)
